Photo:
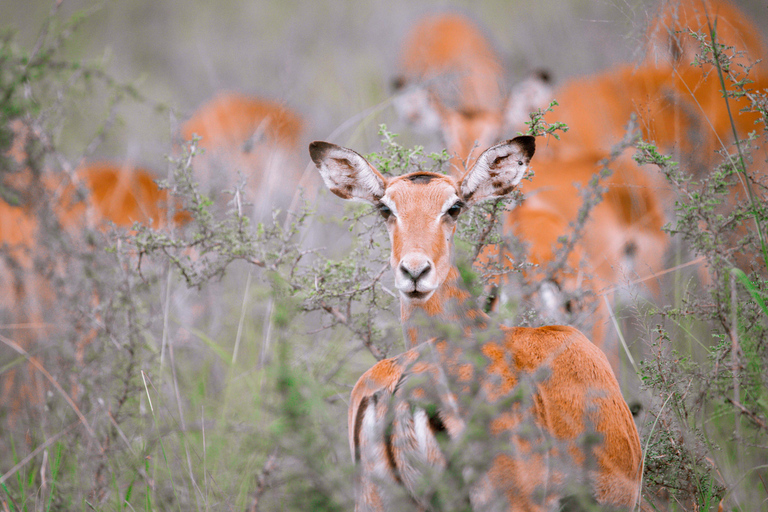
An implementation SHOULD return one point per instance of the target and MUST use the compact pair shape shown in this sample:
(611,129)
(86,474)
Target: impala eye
(385,211)
(455,210)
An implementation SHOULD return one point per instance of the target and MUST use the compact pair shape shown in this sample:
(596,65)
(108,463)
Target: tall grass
(208,366)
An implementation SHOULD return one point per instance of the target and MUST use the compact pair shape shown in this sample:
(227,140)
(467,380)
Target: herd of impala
(451,83)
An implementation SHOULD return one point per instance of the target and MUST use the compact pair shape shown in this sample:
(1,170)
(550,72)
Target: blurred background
(261,424)
(330,61)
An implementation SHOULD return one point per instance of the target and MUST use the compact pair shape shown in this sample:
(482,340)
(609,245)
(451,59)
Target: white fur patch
(349,175)
(389,203)
(448,204)
(495,174)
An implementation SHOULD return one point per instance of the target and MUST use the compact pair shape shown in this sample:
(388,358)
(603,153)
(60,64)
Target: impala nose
(415,270)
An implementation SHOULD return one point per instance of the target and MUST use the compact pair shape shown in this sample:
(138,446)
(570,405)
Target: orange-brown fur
(561,406)
(573,390)
(451,48)
(448,56)
(118,194)
(248,135)
(677,106)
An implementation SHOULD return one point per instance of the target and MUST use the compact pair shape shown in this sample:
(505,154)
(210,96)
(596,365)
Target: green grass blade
(751,288)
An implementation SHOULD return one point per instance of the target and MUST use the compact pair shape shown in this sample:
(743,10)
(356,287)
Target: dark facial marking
(420,179)
(470,114)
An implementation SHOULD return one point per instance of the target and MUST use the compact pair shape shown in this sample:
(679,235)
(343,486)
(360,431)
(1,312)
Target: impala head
(421,209)
(466,130)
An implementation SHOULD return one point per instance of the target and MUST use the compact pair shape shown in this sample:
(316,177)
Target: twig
(23,462)
(621,336)
(34,362)
(752,416)
(654,275)
(742,168)
(338,315)
(261,481)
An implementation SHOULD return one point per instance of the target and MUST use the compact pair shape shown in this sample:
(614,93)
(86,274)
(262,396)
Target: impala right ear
(497,170)
(346,173)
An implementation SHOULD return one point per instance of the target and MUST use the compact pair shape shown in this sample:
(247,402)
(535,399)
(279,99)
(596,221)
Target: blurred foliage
(208,365)
(706,366)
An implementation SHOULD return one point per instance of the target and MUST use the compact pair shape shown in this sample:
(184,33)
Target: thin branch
(34,362)
(262,479)
(23,462)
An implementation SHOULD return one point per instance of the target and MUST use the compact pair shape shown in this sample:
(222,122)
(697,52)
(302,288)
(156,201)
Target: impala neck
(451,307)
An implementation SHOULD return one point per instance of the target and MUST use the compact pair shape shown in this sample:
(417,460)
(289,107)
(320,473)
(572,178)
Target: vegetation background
(330,61)
(232,395)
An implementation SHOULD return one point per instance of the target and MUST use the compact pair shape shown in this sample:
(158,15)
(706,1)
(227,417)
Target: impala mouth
(418,296)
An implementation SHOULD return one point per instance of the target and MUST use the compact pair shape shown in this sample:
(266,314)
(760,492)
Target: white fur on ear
(533,93)
(498,170)
(418,107)
(346,173)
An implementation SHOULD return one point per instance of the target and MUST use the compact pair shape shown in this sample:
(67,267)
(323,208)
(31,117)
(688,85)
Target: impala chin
(414,292)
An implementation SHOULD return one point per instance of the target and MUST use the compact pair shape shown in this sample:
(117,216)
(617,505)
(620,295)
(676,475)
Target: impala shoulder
(383,375)
(533,346)
(380,379)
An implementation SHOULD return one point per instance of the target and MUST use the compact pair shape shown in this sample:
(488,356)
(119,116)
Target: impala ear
(498,170)
(417,106)
(531,94)
(346,173)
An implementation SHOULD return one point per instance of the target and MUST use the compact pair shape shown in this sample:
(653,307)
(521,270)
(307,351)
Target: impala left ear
(418,107)
(498,170)
(346,173)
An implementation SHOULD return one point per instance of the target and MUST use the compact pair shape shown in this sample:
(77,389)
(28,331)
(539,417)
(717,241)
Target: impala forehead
(430,194)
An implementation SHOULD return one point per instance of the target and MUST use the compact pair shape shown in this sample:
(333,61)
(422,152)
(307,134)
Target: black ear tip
(318,150)
(527,144)
(398,83)
(544,75)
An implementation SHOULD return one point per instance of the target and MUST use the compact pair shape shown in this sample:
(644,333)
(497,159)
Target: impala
(403,408)
(248,136)
(117,193)
(678,106)
(451,82)
(445,62)
(668,39)
(113,194)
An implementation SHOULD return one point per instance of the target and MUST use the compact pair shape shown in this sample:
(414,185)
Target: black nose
(415,274)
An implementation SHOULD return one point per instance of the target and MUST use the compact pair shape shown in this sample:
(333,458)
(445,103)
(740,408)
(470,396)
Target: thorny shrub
(706,366)
(97,391)
(75,319)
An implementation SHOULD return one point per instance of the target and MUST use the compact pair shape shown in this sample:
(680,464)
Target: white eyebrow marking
(389,203)
(447,205)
